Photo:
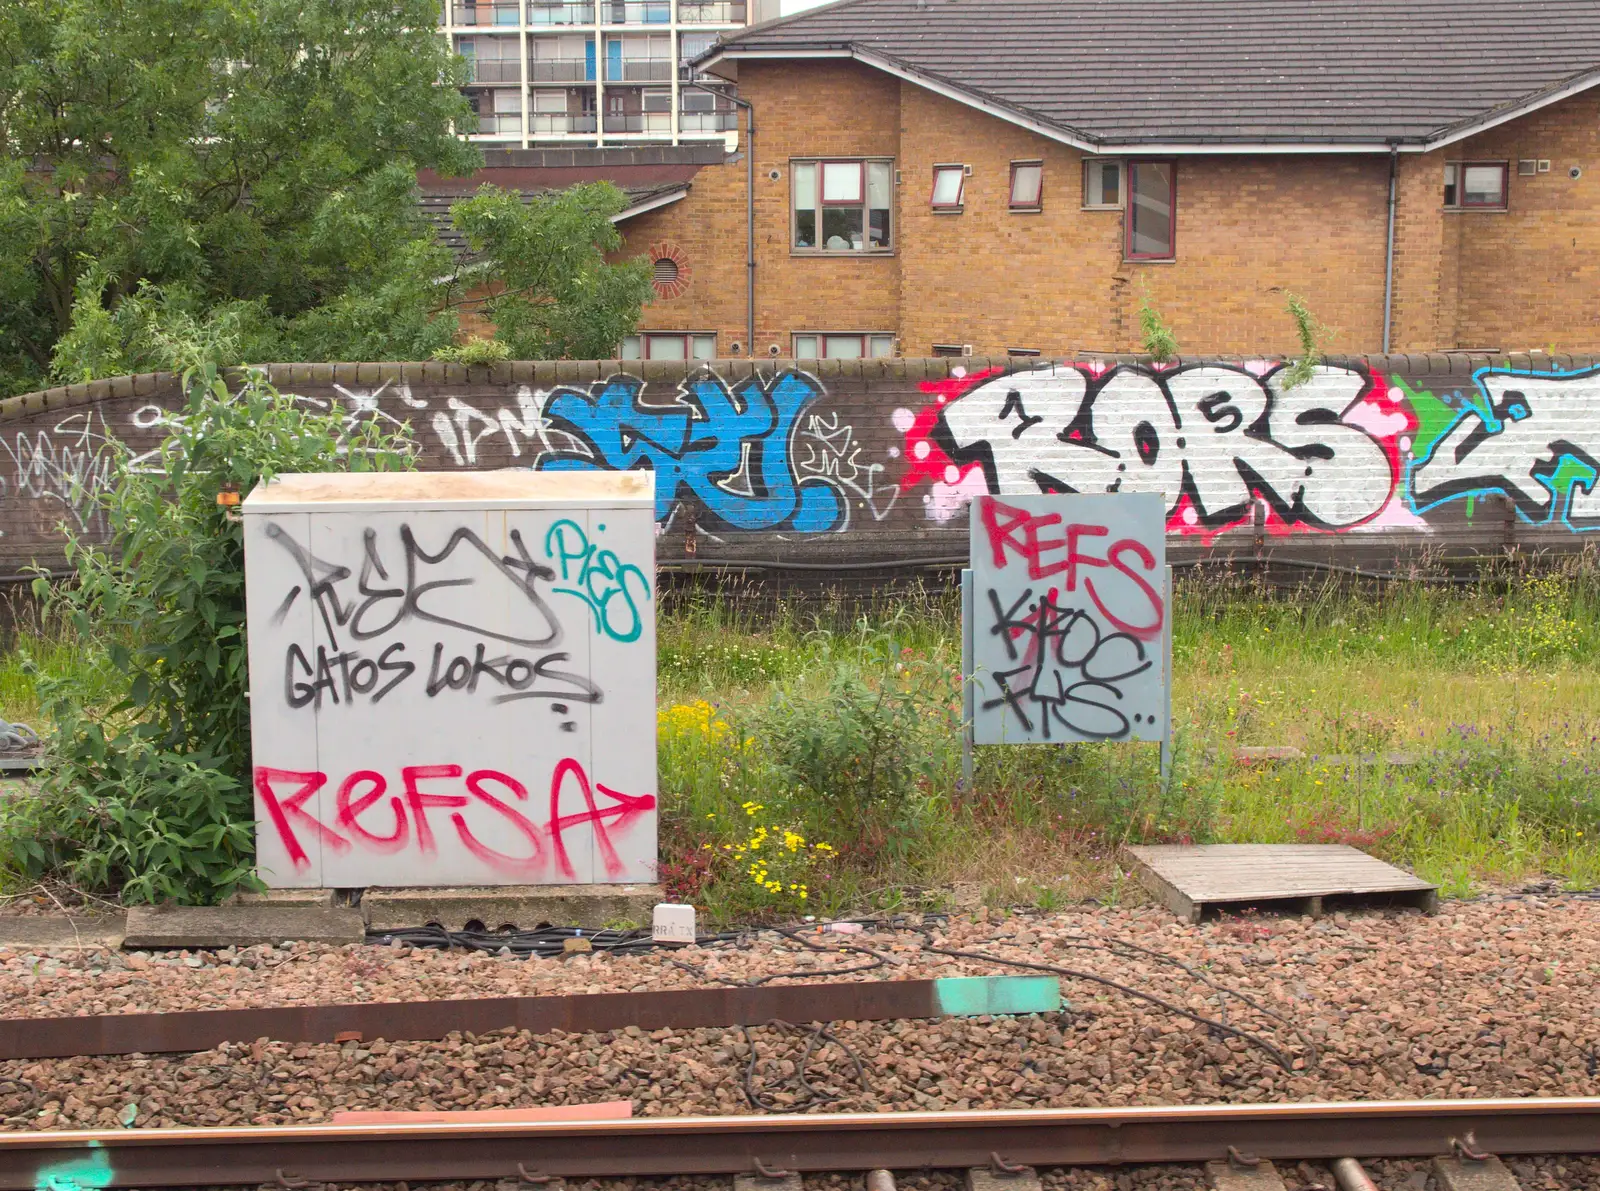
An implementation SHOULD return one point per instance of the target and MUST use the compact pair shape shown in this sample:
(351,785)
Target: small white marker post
(673,924)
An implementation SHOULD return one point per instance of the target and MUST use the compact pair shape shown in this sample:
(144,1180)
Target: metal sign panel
(1068,619)
(452,679)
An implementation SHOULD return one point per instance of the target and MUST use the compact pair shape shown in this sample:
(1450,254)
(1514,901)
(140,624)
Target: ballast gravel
(1490,998)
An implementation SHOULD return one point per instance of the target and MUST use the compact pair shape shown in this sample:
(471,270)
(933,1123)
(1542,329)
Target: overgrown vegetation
(148,791)
(1455,730)
(1312,334)
(1155,336)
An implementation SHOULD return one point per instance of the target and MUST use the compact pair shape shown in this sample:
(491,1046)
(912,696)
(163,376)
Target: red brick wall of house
(1250,230)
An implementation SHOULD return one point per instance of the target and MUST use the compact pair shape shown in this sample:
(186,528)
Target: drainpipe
(1388,263)
(749,213)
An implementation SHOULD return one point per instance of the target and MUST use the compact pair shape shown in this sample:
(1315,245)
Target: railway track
(771,1147)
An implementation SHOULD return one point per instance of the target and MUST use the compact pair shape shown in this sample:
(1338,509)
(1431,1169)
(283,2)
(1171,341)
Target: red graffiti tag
(363,789)
(1017,532)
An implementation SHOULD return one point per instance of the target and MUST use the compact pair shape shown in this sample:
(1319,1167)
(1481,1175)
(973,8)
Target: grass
(810,756)
(1452,730)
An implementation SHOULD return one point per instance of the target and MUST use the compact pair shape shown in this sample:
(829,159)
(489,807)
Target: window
(1152,210)
(841,206)
(1027,184)
(1102,183)
(948,183)
(849,346)
(1475,185)
(669,345)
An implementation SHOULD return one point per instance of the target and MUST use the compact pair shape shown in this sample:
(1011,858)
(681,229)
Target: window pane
(947,187)
(881,346)
(841,228)
(630,347)
(1449,185)
(666,347)
(841,182)
(842,347)
(1026,181)
(880,188)
(805,205)
(1150,208)
(805,347)
(705,347)
(1483,186)
(1111,183)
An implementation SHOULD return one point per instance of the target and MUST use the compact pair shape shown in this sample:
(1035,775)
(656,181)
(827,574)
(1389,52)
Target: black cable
(546,942)
(808,1092)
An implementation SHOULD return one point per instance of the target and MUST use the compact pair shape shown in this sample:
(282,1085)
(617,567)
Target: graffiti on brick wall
(1348,450)
(1533,438)
(754,455)
(68,466)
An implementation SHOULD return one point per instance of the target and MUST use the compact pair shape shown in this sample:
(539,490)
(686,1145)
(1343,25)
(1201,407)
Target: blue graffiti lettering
(729,449)
(1528,436)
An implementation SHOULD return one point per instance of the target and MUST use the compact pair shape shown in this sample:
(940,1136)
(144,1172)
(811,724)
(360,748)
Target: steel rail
(821,1142)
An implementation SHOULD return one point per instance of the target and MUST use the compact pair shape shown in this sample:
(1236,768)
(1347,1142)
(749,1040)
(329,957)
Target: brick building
(946,176)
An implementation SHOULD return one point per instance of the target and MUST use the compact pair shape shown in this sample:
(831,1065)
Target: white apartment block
(594,72)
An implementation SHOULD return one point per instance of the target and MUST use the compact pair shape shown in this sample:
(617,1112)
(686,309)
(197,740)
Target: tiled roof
(436,207)
(1132,72)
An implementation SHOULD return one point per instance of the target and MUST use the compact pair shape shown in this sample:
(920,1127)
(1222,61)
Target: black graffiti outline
(1047,628)
(321,581)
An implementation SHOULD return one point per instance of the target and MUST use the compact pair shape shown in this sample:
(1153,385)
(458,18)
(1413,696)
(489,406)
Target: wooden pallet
(1295,877)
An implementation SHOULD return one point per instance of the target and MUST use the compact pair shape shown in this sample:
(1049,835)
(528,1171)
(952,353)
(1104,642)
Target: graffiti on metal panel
(372,610)
(1350,450)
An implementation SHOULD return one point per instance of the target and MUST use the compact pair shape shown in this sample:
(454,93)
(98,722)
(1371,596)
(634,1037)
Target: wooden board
(1188,880)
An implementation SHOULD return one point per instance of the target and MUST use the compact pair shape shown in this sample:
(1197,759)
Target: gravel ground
(1491,998)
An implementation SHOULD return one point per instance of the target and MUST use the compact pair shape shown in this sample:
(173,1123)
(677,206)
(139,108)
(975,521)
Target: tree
(543,262)
(242,167)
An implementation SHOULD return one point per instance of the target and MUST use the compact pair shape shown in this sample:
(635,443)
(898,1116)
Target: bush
(868,741)
(151,798)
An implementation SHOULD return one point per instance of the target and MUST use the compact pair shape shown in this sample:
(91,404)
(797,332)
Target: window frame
(1122,183)
(688,337)
(866,338)
(1011,195)
(1128,253)
(958,206)
(1461,168)
(863,205)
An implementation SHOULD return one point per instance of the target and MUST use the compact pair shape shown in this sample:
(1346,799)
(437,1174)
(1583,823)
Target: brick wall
(1250,230)
(862,462)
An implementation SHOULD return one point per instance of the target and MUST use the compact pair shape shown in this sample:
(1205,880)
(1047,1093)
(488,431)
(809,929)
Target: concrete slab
(240,926)
(52,931)
(283,897)
(1454,1174)
(524,907)
(1223,1176)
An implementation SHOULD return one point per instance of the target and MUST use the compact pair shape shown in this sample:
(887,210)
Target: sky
(799,5)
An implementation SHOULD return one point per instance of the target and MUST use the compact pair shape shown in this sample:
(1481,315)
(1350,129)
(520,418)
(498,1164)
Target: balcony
(541,13)
(651,122)
(549,124)
(711,12)
(638,70)
(560,70)
(500,124)
(708,121)
(494,70)
(487,14)
(635,12)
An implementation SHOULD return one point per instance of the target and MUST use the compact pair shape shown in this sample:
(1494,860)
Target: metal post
(966,679)
(1166,661)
